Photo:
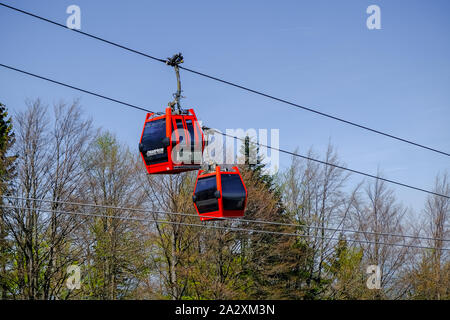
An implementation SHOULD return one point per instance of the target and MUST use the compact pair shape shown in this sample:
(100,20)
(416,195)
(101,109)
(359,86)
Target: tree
(24,220)
(7,173)
(345,268)
(269,260)
(315,202)
(430,277)
(114,246)
(7,139)
(47,174)
(377,214)
(173,243)
(216,265)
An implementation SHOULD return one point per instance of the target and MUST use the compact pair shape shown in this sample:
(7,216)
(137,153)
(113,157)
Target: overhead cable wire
(76,88)
(318,112)
(235,137)
(332,164)
(231,83)
(81,32)
(234,229)
(226,218)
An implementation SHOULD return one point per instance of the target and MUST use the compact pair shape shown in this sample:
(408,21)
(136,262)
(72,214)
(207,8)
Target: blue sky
(319,54)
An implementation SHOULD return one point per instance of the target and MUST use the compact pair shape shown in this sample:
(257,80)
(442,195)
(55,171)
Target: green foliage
(177,258)
(7,169)
(7,173)
(345,271)
(254,162)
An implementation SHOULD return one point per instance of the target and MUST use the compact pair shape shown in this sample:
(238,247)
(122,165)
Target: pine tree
(253,161)
(7,139)
(253,164)
(345,270)
(7,171)
(275,263)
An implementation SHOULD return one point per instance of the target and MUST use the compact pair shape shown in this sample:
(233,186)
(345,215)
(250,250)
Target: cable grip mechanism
(174,62)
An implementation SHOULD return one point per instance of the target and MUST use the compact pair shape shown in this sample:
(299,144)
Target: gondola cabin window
(233,192)
(206,195)
(154,150)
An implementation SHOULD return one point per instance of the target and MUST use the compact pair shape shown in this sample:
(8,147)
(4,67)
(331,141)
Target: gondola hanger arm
(174,62)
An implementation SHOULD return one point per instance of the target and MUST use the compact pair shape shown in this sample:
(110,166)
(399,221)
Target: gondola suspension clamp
(174,62)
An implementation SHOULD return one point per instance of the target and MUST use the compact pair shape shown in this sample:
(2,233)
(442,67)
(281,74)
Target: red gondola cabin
(221,194)
(171,143)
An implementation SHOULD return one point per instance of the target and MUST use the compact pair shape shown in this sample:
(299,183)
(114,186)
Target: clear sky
(318,53)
